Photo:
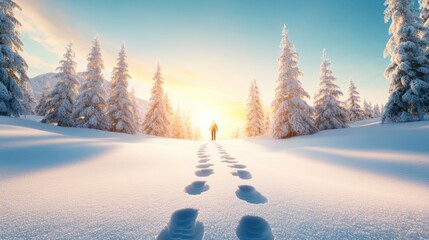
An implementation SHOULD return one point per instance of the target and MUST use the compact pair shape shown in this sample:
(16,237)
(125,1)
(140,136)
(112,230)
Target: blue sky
(211,50)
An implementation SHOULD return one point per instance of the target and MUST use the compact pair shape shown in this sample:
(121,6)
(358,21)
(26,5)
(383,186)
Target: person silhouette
(213,129)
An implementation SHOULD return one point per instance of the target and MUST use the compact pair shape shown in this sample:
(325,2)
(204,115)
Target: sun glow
(206,118)
(226,118)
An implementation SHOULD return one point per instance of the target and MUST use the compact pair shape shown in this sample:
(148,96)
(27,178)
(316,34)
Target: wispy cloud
(50,31)
(37,62)
(47,29)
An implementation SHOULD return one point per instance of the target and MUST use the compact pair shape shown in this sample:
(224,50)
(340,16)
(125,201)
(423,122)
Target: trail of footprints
(183,224)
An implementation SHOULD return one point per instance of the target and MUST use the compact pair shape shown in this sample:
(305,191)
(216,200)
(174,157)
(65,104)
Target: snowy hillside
(367,181)
(37,83)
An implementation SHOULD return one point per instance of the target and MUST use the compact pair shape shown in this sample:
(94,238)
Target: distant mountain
(37,83)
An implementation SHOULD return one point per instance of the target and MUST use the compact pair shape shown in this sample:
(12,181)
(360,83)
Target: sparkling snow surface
(368,181)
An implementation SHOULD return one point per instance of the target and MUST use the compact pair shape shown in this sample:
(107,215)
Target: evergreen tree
(13,67)
(176,125)
(156,120)
(353,107)
(409,67)
(371,110)
(376,111)
(168,106)
(368,110)
(424,18)
(330,114)
(267,121)
(41,108)
(120,110)
(27,101)
(197,134)
(292,115)
(59,104)
(237,133)
(136,112)
(90,106)
(169,110)
(255,113)
(187,126)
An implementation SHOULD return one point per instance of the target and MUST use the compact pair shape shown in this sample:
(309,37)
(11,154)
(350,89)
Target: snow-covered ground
(368,181)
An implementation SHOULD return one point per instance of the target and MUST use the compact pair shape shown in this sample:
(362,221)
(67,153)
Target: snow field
(360,182)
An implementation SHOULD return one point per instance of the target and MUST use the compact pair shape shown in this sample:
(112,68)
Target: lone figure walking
(213,129)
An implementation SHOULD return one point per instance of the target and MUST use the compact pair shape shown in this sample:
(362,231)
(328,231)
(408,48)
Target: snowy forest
(87,106)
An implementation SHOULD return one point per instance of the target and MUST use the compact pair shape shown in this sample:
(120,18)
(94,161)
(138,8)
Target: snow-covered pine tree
(41,108)
(27,101)
(365,107)
(267,121)
(120,110)
(376,111)
(169,110)
(12,66)
(176,125)
(59,104)
(197,134)
(424,15)
(330,114)
(368,110)
(354,109)
(136,112)
(187,126)
(156,120)
(371,110)
(292,115)
(255,113)
(409,67)
(89,111)
(237,133)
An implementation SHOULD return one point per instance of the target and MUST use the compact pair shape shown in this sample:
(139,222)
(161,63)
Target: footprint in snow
(197,187)
(243,174)
(203,156)
(250,195)
(183,226)
(203,160)
(204,172)
(229,161)
(228,157)
(254,228)
(240,166)
(207,165)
